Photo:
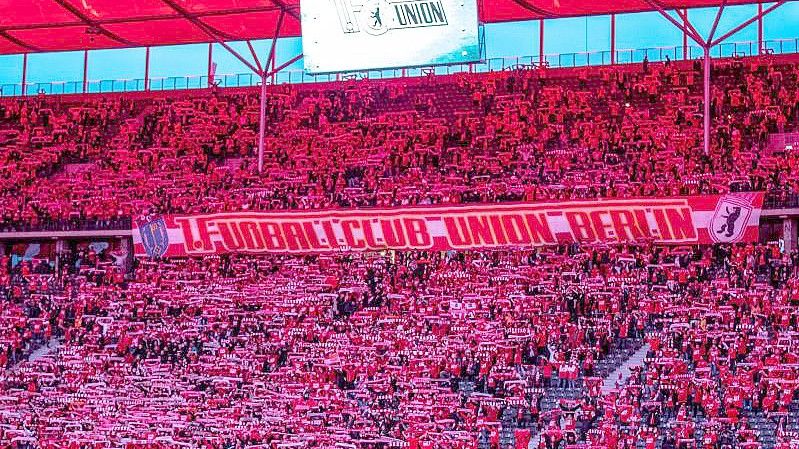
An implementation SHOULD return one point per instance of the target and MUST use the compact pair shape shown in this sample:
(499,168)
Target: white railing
(577,59)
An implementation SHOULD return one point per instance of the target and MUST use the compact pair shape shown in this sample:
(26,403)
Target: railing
(578,59)
(116,224)
(780,200)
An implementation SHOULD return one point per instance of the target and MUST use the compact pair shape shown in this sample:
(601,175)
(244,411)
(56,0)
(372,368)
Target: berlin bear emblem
(730,219)
(377,17)
(372,16)
(154,237)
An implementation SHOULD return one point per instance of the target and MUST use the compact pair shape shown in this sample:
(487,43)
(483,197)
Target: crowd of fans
(518,135)
(488,349)
(412,349)
(38,138)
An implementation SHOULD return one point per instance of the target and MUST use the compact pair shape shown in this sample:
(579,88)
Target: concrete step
(625,370)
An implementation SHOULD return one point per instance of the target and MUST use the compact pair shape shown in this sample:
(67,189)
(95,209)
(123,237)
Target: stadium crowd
(520,135)
(423,350)
(414,349)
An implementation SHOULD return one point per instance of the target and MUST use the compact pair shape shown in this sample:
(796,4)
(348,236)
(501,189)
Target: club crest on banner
(730,218)
(154,237)
(376,17)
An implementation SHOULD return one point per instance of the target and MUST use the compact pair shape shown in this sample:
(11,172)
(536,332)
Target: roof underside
(60,25)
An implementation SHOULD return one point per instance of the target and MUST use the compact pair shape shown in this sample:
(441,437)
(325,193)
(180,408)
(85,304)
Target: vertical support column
(261,119)
(85,70)
(274,63)
(541,41)
(24,74)
(760,28)
(707,99)
(147,69)
(613,38)
(685,36)
(210,64)
(789,233)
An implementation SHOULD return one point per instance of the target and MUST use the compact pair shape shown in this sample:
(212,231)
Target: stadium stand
(520,135)
(473,349)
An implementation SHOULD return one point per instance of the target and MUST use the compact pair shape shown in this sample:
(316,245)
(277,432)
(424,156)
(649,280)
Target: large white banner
(684,220)
(352,35)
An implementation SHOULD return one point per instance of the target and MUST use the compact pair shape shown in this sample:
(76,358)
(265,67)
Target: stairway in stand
(622,373)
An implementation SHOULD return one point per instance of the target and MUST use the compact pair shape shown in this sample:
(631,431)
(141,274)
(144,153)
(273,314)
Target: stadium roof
(59,25)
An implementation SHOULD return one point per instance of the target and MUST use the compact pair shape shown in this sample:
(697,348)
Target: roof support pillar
(284,65)
(147,69)
(683,14)
(707,123)
(255,56)
(716,20)
(210,64)
(273,61)
(613,39)
(689,31)
(760,28)
(541,41)
(272,57)
(263,73)
(686,28)
(261,120)
(269,64)
(759,16)
(85,71)
(24,74)
(685,36)
(238,56)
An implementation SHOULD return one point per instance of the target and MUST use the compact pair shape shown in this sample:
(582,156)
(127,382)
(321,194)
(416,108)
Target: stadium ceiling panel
(60,25)
(510,10)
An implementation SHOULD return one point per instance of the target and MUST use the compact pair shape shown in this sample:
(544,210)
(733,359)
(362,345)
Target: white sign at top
(352,35)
